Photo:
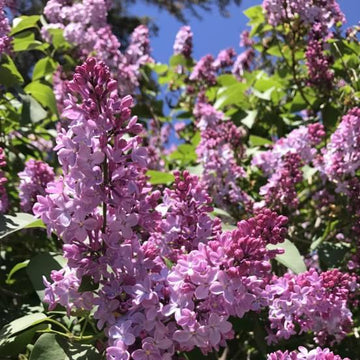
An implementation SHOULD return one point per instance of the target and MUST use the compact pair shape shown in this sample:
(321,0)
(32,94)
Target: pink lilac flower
(311,302)
(280,190)
(305,354)
(224,59)
(219,150)
(5,40)
(186,220)
(243,63)
(302,141)
(204,71)
(341,157)
(33,180)
(326,13)
(184,42)
(318,64)
(4,201)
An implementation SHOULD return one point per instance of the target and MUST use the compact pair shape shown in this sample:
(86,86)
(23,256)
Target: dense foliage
(199,209)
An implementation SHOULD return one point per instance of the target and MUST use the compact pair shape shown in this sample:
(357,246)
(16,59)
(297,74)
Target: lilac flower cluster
(312,302)
(184,42)
(224,59)
(85,25)
(168,278)
(341,157)
(186,221)
(280,189)
(326,13)
(305,354)
(318,64)
(245,59)
(204,71)
(33,181)
(219,150)
(5,40)
(4,201)
(301,141)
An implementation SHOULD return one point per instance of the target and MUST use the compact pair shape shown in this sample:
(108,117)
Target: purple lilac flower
(204,71)
(224,59)
(280,190)
(341,157)
(243,63)
(318,64)
(33,180)
(5,40)
(184,42)
(220,141)
(186,220)
(326,13)
(313,302)
(4,201)
(305,354)
(301,141)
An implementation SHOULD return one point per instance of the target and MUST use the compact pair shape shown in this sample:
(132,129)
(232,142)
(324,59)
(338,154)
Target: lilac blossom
(305,354)
(326,13)
(5,40)
(219,150)
(184,42)
(318,64)
(341,157)
(4,201)
(302,141)
(33,180)
(204,72)
(313,302)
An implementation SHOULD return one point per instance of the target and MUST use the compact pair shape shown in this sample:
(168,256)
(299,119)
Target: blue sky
(214,32)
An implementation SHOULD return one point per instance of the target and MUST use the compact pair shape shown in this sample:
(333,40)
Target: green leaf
(159,68)
(255,14)
(12,346)
(308,172)
(158,177)
(180,59)
(25,41)
(42,265)
(58,40)
(32,111)
(250,118)
(87,284)
(44,94)
(24,22)
(51,346)
(10,224)
(44,67)
(233,94)
(266,95)
(331,255)
(196,170)
(16,268)
(226,80)
(185,153)
(291,257)
(258,141)
(19,325)
(9,74)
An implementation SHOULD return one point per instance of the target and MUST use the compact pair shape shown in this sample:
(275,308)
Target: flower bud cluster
(4,201)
